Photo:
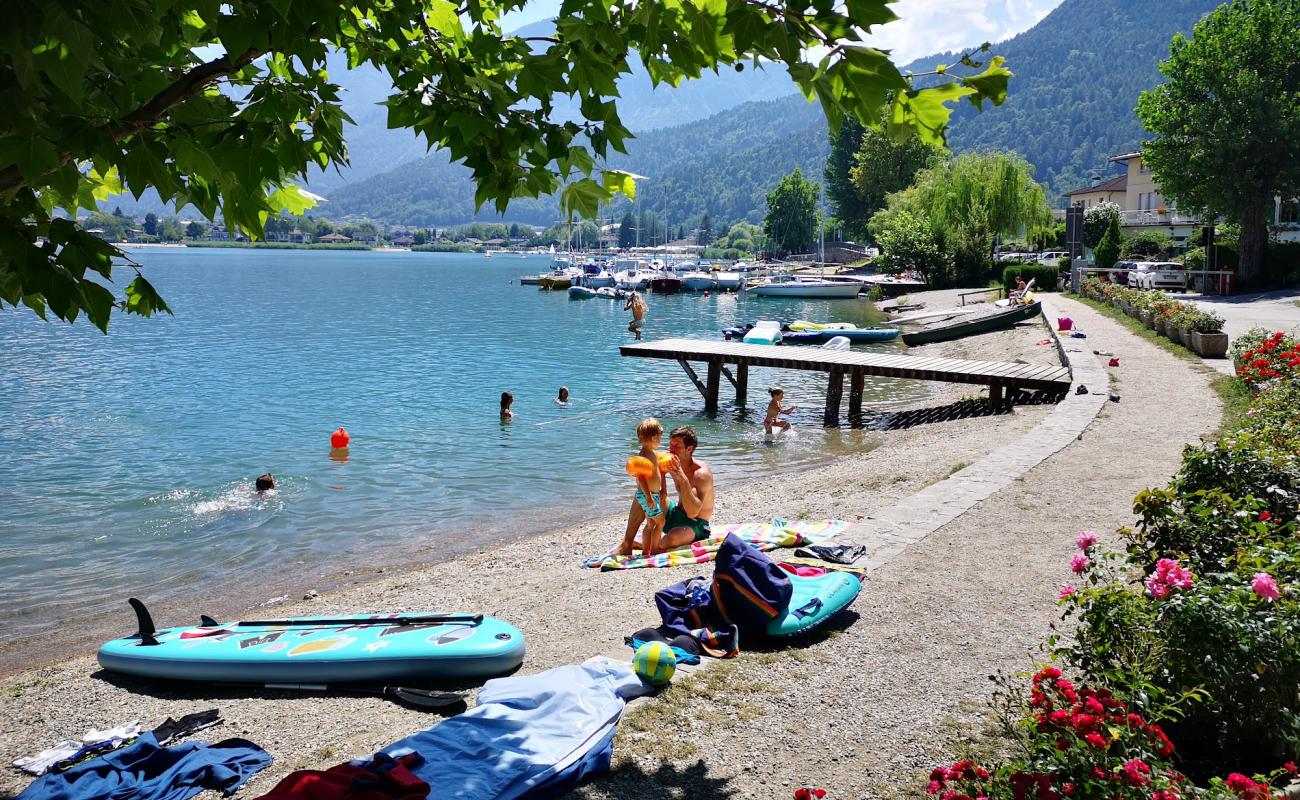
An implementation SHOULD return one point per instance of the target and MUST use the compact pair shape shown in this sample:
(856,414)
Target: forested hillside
(1078,76)
(725,164)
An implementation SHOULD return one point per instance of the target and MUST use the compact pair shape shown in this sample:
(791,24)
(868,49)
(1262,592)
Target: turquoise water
(129,457)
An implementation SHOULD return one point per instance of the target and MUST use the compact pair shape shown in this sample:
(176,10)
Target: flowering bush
(1262,357)
(1082,742)
(1273,421)
(1222,646)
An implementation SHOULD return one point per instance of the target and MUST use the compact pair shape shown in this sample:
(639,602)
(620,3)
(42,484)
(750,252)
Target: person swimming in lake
(506,399)
(563,398)
(774,410)
(264,483)
(651,498)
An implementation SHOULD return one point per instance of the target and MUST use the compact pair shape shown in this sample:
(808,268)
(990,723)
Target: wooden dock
(720,357)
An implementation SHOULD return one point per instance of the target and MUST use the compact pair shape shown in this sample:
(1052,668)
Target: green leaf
(290,198)
(866,13)
(142,299)
(991,84)
(443,19)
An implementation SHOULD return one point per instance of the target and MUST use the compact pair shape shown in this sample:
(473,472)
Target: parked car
(1168,275)
(1136,271)
(1052,258)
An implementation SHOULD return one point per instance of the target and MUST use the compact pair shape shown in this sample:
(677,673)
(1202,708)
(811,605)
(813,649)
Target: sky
(925,27)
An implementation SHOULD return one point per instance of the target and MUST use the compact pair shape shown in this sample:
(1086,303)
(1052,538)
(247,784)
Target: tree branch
(151,112)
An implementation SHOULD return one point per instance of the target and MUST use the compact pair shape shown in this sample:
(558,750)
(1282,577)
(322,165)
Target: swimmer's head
(564,394)
(265,482)
(649,431)
(776,391)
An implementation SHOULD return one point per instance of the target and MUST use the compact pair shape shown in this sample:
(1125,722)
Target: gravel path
(864,713)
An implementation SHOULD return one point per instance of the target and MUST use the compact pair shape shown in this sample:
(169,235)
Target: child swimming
(650,495)
(774,409)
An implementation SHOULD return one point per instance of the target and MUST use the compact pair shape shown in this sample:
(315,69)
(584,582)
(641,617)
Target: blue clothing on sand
(144,770)
(529,736)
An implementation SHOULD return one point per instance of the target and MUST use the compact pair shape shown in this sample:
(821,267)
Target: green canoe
(967,327)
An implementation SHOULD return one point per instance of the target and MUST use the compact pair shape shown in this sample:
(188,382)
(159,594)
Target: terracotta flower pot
(1210,345)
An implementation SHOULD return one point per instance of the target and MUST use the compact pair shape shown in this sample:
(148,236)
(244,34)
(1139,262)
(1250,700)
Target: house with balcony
(1143,208)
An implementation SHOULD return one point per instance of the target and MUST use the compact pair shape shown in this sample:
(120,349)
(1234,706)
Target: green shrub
(1146,244)
(1106,253)
(1044,275)
(1241,467)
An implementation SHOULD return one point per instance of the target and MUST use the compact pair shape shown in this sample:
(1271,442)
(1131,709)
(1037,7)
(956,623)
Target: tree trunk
(1251,247)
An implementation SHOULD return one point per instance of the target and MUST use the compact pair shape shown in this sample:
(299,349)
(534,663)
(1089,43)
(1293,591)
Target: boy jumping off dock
(650,494)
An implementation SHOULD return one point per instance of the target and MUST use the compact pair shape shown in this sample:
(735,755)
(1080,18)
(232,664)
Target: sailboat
(808,286)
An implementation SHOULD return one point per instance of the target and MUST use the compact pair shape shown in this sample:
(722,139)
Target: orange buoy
(640,467)
(339,439)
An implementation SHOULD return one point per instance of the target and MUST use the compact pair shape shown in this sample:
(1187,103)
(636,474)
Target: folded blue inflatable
(529,736)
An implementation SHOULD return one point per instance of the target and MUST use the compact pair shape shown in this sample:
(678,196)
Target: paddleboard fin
(208,622)
(147,629)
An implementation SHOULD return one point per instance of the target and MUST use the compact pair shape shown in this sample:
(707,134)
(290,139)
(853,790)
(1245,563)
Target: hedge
(1044,274)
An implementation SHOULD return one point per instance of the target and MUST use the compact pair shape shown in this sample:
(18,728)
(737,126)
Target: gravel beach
(866,712)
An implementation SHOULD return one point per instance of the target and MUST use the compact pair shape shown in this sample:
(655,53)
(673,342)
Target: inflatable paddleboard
(815,602)
(346,648)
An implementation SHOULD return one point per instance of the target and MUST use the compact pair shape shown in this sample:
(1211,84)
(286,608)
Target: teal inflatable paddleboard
(815,602)
(348,648)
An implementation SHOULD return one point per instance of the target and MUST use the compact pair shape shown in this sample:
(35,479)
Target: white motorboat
(633,279)
(697,281)
(728,281)
(530,280)
(806,287)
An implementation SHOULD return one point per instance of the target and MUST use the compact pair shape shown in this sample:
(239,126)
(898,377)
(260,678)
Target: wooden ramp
(721,356)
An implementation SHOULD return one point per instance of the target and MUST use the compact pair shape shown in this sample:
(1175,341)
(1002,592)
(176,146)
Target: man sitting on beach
(688,517)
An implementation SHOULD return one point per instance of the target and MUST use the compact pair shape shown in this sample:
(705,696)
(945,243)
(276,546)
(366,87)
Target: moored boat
(806,287)
(697,281)
(967,327)
(852,334)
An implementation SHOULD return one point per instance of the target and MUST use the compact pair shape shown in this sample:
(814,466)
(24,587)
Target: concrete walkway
(888,532)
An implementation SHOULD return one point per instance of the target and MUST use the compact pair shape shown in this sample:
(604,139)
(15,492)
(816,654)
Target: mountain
(1079,72)
(747,149)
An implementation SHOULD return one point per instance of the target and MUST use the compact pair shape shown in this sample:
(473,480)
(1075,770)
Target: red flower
(1137,772)
(1264,516)
(819,793)
(1059,717)
(1096,740)
(1085,722)
(1094,706)
(802,794)
(933,788)
(1290,767)
(1135,721)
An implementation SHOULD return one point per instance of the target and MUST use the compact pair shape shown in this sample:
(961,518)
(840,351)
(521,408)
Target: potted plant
(1208,338)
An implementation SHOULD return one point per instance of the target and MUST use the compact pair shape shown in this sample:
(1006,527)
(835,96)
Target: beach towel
(530,736)
(759,535)
(145,771)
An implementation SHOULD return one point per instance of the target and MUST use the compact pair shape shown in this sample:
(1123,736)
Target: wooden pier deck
(719,357)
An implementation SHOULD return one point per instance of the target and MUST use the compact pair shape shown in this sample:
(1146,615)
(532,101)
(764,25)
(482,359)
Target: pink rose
(1265,586)
(1156,587)
(1066,590)
(1086,539)
(1079,563)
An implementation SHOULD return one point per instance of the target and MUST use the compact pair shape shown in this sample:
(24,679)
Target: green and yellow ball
(654,663)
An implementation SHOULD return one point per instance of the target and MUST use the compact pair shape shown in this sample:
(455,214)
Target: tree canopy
(222,104)
(1226,125)
(792,213)
(970,201)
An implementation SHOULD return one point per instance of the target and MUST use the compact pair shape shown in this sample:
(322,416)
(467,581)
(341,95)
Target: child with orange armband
(650,496)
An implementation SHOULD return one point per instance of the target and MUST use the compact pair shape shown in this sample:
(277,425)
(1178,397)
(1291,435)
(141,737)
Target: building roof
(334,237)
(1126,156)
(1116,184)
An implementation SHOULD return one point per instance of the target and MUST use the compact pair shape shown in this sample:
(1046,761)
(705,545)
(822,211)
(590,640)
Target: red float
(339,439)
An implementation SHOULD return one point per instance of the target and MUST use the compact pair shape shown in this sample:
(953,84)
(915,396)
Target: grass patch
(902,478)
(1136,327)
(19,689)
(958,467)
(1236,397)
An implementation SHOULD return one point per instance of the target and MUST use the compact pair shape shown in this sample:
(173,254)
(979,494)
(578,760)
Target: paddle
(418,619)
(419,698)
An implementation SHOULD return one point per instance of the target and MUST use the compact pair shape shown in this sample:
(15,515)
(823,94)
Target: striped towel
(761,535)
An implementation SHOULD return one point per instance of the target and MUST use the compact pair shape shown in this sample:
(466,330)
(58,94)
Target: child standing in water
(650,495)
(774,409)
(506,400)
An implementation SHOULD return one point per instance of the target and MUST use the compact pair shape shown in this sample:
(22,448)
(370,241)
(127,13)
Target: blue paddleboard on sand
(815,602)
(345,648)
